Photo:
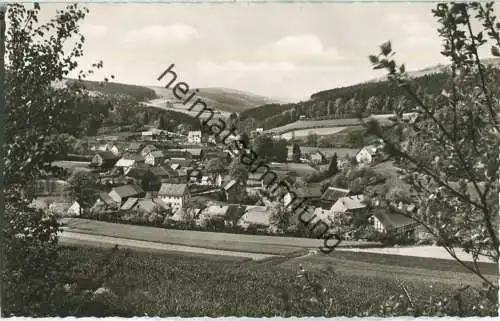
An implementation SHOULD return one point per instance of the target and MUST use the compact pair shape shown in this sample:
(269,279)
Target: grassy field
(174,285)
(210,240)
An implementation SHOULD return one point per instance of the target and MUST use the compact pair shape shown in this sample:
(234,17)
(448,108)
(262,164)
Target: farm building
(154,158)
(366,155)
(121,193)
(147,149)
(104,203)
(256,216)
(176,195)
(104,159)
(348,204)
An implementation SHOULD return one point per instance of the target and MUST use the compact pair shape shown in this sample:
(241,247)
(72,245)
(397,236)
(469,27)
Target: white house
(259,130)
(194,137)
(366,154)
(154,157)
(347,204)
(125,164)
(258,216)
(114,149)
(121,193)
(75,209)
(176,195)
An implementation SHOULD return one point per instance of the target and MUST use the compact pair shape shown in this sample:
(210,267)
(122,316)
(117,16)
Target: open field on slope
(209,240)
(175,285)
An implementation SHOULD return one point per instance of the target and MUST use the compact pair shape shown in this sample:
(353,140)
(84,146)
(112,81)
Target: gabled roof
(106,199)
(157,154)
(129,204)
(258,215)
(128,190)
(149,148)
(235,211)
(132,156)
(311,191)
(352,202)
(137,172)
(176,190)
(134,146)
(161,171)
(123,162)
(332,194)
(107,155)
(393,220)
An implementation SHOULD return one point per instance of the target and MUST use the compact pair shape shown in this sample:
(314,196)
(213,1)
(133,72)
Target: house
(385,222)
(310,193)
(164,172)
(317,158)
(254,183)
(194,137)
(176,195)
(147,149)
(134,147)
(147,135)
(233,214)
(129,204)
(59,208)
(332,194)
(150,205)
(121,193)
(213,212)
(256,216)
(75,209)
(154,158)
(145,178)
(104,203)
(348,204)
(115,149)
(366,155)
(104,159)
(125,164)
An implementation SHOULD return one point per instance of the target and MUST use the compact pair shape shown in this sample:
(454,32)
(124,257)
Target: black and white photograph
(250,159)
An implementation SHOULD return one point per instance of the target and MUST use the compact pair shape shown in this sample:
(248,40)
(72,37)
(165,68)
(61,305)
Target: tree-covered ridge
(139,93)
(346,102)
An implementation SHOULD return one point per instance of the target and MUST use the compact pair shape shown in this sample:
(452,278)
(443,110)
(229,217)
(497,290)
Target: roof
(149,148)
(128,190)
(161,203)
(334,193)
(393,220)
(136,157)
(137,172)
(129,204)
(106,199)
(107,155)
(258,215)
(352,202)
(235,211)
(123,162)
(134,146)
(161,171)
(215,210)
(311,191)
(176,190)
(192,151)
(147,205)
(157,154)
(229,185)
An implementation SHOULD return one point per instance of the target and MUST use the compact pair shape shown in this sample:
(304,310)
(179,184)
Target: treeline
(345,102)
(139,93)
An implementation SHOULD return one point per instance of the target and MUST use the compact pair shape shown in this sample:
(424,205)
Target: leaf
(373,59)
(386,48)
(495,51)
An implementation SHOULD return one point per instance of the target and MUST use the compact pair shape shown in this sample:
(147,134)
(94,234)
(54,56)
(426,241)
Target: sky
(287,51)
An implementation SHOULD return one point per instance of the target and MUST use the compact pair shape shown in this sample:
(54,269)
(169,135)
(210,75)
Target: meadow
(177,285)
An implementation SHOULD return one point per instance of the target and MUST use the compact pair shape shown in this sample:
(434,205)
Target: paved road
(71,238)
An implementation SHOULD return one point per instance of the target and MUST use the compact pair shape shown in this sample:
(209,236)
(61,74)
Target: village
(140,179)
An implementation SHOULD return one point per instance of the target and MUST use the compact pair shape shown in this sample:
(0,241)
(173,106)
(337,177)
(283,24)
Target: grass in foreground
(175,285)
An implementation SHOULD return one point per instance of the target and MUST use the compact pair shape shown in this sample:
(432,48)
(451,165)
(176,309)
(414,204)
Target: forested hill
(376,97)
(140,93)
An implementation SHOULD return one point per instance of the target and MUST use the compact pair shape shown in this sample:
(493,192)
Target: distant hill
(140,93)
(374,97)
(223,99)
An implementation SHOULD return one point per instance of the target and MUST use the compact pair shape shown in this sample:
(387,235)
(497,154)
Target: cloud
(89,30)
(299,48)
(416,31)
(176,33)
